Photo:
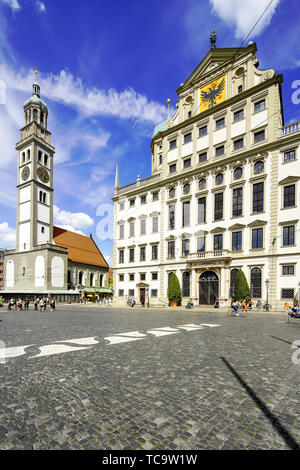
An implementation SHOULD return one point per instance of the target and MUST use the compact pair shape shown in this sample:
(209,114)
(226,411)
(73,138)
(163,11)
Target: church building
(223,195)
(48,260)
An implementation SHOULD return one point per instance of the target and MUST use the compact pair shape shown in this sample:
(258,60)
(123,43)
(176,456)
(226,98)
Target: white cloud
(13,4)
(107,258)
(76,220)
(41,6)
(243,14)
(65,88)
(7,236)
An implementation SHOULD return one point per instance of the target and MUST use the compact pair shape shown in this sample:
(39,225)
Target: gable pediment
(257,223)
(237,227)
(289,179)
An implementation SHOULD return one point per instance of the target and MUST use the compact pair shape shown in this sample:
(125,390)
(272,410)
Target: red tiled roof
(81,249)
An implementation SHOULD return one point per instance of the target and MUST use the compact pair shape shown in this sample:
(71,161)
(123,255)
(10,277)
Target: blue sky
(106,70)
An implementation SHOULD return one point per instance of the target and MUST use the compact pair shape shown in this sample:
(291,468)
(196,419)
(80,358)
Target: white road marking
(211,325)
(13,352)
(134,334)
(120,339)
(51,349)
(190,327)
(163,331)
(82,341)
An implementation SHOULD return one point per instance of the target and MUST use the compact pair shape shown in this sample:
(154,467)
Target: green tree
(174,290)
(241,290)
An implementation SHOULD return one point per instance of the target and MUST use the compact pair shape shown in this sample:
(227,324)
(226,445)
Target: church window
(40,156)
(23,157)
(44,198)
(41,196)
(28,155)
(42,117)
(24,270)
(35,114)
(46,160)
(43,229)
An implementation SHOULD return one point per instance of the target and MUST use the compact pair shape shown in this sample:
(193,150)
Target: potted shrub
(174,291)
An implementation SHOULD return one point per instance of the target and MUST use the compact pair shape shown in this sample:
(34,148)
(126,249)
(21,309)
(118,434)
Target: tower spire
(117,178)
(35,86)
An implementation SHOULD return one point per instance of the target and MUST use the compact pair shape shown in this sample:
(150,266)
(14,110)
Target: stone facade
(224,191)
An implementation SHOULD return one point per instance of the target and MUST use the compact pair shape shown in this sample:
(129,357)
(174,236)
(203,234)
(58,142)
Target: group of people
(19,304)
(242,305)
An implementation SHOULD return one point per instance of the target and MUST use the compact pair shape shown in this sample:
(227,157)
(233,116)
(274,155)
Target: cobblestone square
(86,377)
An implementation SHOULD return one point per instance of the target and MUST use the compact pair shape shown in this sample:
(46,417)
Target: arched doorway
(208,288)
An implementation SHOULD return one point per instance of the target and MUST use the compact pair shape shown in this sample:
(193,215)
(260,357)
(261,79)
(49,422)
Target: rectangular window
(202,131)
(132,202)
(220,151)
(172,168)
(171,249)
(143,199)
(121,207)
(121,277)
(218,242)
(143,226)
(238,115)
(218,206)
(257,238)
(131,277)
(171,216)
(131,292)
(121,292)
(259,136)
(154,276)
(121,256)
(258,198)
(289,196)
(131,255)
(154,252)
(202,157)
(187,138)
(289,156)
(289,235)
(237,202)
(200,244)
(236,241)
(160,159)
(288,270)
(259,105)
(186,213)
(201,210)
(154,224)
(142,276)
(185,247)
(220,123)
(142,253)
(155,197)
(173,144)
(131,229)
(153,292)
(121,232)
(187,163)
(238,144)
(287,293)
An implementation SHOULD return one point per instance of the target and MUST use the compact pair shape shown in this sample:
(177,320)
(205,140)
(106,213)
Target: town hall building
(48,260)
(223,195)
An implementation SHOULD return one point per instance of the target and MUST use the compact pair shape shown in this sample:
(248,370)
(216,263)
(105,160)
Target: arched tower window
(39,156)
(35,114)
(46,160)
(23,157)
(28,155)
(256,283)
(186,284)
(44,198)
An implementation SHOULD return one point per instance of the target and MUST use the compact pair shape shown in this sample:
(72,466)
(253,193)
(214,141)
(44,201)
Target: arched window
(69,277)
(258,167)
(238,172)
(24,270)
(23,157)
(101,279)
(186,188)
(41,196)
(28,155)
(91,279)
(256,283)
(42,117)
(172,192)
(80,277)
(202,183)
(233,274)
(219,178)
(46,160)
(39,156)
(35,114)
(186,284)
(44,198)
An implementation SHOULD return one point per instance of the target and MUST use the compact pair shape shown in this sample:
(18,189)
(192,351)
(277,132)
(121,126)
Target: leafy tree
(174,290)
(241,290)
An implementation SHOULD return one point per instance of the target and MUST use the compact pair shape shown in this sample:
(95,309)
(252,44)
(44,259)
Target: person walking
(52,305)
(42,305)
(35,303)
(244,306)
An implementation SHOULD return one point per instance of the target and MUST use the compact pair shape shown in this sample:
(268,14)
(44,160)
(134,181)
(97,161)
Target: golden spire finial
(36,71)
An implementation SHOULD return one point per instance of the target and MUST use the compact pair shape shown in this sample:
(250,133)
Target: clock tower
(35,176)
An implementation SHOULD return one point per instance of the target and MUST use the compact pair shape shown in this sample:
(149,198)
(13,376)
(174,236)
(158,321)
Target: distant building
(47,260)
(224,193)
(2,268)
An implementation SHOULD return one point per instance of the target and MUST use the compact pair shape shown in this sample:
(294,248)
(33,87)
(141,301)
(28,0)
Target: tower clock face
(43,174)
(25,173)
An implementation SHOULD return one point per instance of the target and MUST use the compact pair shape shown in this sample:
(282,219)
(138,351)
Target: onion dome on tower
(36,109)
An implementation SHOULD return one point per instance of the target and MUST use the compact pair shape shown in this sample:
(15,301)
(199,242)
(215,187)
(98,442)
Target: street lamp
(267,303)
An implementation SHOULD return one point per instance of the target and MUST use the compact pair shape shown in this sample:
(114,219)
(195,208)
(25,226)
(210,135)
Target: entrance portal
(142,296)
(208,288)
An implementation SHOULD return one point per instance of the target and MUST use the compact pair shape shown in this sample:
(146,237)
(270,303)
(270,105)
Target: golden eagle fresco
(212,94)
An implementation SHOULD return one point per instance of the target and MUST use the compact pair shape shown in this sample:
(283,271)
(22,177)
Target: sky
(106,69)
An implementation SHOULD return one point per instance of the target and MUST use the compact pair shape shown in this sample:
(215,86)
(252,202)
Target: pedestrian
(286,306)
(35,303)
(244,306)
(217,303)
(52,304)
(250,304)
(42,305)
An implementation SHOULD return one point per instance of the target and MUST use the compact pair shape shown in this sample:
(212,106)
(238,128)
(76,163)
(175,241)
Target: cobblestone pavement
(232,386)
